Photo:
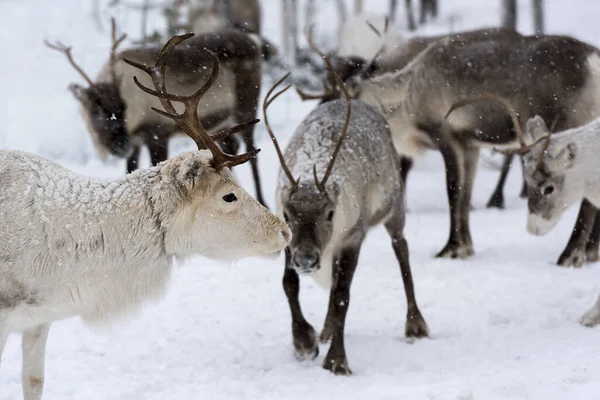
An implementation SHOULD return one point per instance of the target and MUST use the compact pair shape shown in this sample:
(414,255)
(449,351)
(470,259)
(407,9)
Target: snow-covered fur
(78,246)
(568,172)
(329,223)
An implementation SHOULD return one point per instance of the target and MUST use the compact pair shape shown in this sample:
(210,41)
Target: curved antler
(66,50)
(321,185)
(188,120)
(328,91)
(266,103)
(501,100)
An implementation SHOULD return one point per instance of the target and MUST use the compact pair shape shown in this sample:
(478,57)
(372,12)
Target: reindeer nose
(306,262)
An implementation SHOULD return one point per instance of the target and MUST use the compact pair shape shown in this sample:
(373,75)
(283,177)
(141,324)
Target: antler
(329,91)
(381,48)
(61,48)
(115,43)
(188,120)
(266,103)
(338,146)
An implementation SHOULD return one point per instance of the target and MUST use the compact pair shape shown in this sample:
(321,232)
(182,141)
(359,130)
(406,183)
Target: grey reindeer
(550,76)
(116,113)
(349,145)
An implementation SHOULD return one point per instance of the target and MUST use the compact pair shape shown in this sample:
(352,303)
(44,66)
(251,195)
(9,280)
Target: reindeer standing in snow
(551,76)
(340,176)
(77,246)
(116,112)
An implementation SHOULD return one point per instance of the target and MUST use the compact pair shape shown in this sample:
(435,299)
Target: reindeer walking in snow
(340,176)
(116,113)
(78,246)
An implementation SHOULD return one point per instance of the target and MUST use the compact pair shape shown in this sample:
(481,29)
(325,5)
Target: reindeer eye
(548,190)
(230,197)
(330,216)
(285,216)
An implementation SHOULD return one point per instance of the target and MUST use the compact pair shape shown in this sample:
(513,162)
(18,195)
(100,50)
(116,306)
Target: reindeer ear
(79,92)
(536,128)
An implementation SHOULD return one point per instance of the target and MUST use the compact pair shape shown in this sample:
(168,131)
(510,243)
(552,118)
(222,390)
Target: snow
(503,323)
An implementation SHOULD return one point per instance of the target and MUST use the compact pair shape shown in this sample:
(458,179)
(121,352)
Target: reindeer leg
(410,16)
(336,360)
(304,335)
(327,331)
(497,199)
(249,141)
(453,154)
(523,193)
(592,316)
(134,159)
(415,323)
(34,353)
(158,145)
(3,336)
(471,159)
(591,247)
(405,167)
(575,252)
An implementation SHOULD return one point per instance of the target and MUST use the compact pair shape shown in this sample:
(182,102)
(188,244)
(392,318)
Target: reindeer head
(214,216)
(552,182)
(309,208)
(103,108)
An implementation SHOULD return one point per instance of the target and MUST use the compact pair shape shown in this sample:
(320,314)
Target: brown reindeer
(115,111)
(550,76)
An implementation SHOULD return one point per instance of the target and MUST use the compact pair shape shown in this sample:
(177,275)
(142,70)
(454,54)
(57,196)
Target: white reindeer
(77,246)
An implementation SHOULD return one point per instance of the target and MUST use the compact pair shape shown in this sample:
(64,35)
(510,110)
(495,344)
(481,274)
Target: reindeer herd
(77,246)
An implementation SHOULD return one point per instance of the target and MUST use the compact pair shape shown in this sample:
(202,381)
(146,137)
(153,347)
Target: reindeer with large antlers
(340,176)
(115,111)
(78,246)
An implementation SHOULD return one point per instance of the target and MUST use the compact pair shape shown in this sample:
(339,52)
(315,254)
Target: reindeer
(77,246)
(115,111)
(394,54)
(552,76)
(330,216)
(560,170)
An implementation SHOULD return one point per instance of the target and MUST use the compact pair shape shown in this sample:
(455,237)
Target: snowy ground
(503,324)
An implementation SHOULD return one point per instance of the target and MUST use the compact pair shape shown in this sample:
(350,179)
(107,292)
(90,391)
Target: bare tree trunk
(410,16)
(538,16)
(428,7)
(291,49)
(358,6)
(509,14)
(393,10)
(341,6)
(96,15)
(309,13)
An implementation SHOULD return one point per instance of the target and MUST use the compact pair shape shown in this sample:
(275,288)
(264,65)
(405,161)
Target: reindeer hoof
(325,335)
(590,318)
(496,201)
(306,346)
(416,327)
(339,365)
(574,258)
(591,255)
(454,250)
